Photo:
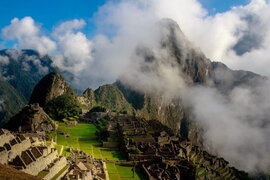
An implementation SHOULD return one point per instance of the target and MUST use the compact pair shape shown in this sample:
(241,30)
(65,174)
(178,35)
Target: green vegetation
(102,134)
(98,109)
(117,172)
(110,97)
(42,174)
(59,173)
(134,150)
(10,101)
(63,107)
(201,172)
(83,137)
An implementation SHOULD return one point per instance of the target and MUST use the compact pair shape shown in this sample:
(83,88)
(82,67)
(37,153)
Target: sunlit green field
(121,172)
(83,137)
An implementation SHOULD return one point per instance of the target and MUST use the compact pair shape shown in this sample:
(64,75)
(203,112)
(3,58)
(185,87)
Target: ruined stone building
(85,167)
(162,155)
(30,155)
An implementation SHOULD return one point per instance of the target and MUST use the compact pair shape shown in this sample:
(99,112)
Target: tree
(63,107)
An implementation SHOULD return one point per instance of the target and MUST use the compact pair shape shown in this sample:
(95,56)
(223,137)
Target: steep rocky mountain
(190,60)
(31,118)
(225,79)
(112,98)
(53,87)
(10,101)
(181,55)
(20,71)
(108,96)
(48,88)
(196,68)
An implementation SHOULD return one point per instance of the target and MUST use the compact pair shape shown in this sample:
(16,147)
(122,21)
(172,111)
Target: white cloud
(4,60)
(74,48)
(28,34)
(20,28)
(69,26)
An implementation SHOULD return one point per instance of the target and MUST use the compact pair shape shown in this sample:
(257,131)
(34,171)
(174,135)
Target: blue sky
(215,6)
(52,12)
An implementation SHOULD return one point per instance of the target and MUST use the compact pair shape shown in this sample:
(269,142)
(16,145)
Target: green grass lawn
(83,137)
(117,172)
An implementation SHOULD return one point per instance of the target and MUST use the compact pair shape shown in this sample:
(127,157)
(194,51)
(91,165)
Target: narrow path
(61,151)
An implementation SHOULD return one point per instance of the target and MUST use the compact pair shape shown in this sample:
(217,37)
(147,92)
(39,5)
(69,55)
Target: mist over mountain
(23,69)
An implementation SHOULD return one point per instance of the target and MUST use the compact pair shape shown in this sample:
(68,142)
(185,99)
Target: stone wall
(6,137)
(15,150)
(40,164)
(56,167)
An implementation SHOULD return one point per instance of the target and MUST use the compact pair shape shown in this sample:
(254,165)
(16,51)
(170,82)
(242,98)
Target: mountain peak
(48,88)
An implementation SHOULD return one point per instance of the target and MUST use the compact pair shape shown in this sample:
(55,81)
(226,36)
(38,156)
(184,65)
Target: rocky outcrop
(225,79)
(108,96)
(112,98)
(190,60)
(88,99)
(31,118)
(48,88)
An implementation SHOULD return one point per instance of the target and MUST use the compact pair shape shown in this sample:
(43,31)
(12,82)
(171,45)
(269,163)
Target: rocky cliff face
(225,79)
(190,60)
(31,118)
(48,88)
(108,96)
(112,98)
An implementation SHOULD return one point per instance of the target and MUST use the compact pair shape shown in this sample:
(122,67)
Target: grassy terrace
(121,172)
(83,137)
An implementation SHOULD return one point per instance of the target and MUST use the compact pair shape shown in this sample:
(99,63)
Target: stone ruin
(85,167)
(30,154)
(162,155)
(31,118)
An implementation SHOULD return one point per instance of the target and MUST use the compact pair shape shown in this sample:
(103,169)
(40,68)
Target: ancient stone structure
(31,118)
(71,123)
(163,155)
(85,167)
(30,154)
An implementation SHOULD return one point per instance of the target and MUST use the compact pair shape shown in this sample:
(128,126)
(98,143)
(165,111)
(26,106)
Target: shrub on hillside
(98,109)
(63,107)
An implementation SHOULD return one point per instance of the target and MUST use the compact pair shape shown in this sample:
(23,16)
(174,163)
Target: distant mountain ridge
(24,68)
